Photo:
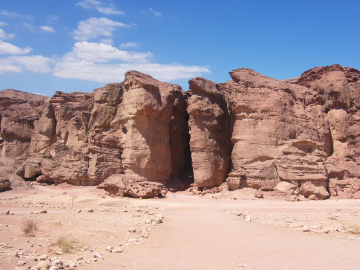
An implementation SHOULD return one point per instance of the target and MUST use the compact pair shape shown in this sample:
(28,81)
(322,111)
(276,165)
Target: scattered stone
(117,250)
(259,194)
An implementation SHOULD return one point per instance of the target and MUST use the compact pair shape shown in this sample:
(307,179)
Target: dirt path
(199,235)
(196,233)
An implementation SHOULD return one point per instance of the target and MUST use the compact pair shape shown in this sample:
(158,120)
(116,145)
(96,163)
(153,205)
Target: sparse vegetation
(347,226)
(29,227)
(65,243)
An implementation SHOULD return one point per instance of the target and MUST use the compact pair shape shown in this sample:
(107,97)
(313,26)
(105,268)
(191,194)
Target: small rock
(248,219)
(132,240)
(109,248)
(259,194)
(43,265)
(117,250)
(43,257)
(78,211)
(98,256)
(132,230)
(91,210)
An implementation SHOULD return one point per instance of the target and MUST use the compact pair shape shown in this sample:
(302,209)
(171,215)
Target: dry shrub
(29,227)
(65,244)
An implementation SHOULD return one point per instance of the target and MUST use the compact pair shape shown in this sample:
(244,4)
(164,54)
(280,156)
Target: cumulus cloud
(128,45)
(46,28)
(96,27)
(104,63)
(107,41)
(34,63)
(7,48)
(107,73)
(100,52)
(8,66)
(3,35)
(100,7)
(156,13)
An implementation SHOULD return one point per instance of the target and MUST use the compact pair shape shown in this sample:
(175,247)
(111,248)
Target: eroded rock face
(124,128)
(338,90)
(210,129)
(144,117)
(297,136)
(18,112)
(276,136)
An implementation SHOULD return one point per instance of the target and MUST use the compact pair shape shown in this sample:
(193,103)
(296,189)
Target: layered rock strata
(83,138)
(209,133)
(298,136)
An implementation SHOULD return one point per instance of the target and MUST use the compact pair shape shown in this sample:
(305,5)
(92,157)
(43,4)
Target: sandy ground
(177,232)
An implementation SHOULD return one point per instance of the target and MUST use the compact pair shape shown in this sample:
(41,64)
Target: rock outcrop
(124,128)
(209,124)
(297,137)
(18,112)
(133,186)
(276,135)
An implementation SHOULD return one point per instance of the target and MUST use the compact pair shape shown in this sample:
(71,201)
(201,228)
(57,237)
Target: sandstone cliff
(298,136)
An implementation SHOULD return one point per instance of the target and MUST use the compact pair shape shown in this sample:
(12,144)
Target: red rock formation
(275,137)
(83,138)
(297,136)
(338,90)
(18,112)
(209,124)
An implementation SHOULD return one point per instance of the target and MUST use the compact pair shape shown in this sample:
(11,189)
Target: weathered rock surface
(133,186)
(276,135)
(124,128)
(4,184)
(210,129)
(18,112)
(297,137)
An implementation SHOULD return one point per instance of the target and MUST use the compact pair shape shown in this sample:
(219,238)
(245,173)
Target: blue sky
(53,45)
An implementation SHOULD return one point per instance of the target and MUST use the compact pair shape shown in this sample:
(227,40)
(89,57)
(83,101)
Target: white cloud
(3,35)
(104,63)
(3,24)
(7,48)
(128,44)
(47,29)
(52,18)
(107,73)
(35,63)
(99,52)
(100,7)
(8,66)
(15,64)
(29,26)
(108,41)
(156,13)
(96,27)
(13,14)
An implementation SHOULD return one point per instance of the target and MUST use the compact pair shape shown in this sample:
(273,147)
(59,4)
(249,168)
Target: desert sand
(229,230)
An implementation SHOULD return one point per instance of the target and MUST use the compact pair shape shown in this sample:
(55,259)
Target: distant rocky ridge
(298,136)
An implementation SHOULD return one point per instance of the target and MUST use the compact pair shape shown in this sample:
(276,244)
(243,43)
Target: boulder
(4,184)
(133,186)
